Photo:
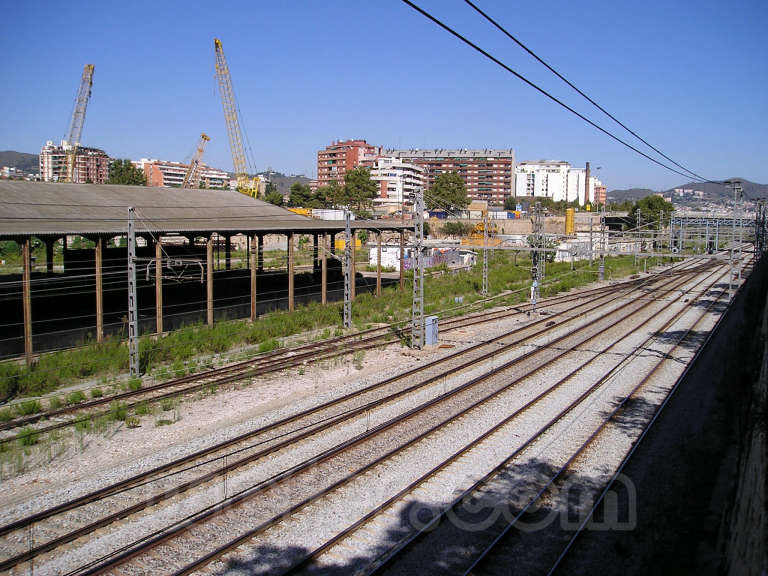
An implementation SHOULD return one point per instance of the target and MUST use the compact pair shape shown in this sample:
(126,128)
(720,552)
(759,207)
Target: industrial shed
(50,212)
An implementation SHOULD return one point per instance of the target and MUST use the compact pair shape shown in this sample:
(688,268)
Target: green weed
(96,393)
(28,407)
(75,397)
(28,436)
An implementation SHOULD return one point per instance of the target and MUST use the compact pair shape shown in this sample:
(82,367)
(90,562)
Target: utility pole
(639,241)
(601,267)
(133,321)
(591,250)
(538,256)
(417,312)
(348,273)
(485,255)
(735,184)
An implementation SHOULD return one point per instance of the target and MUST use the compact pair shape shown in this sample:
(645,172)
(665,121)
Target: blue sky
(691,77)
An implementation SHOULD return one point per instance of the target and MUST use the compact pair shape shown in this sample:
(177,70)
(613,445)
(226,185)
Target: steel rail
(161,537)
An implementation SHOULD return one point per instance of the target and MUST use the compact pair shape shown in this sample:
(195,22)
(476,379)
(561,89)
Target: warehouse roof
(45,208)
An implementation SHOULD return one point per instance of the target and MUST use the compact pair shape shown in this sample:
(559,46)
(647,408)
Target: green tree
(449,192)
(274,197)
(654,210)
(510,203)
(359,191)
(124,172)
(301,196)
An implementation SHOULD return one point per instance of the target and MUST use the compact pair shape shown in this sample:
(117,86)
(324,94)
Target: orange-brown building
(339,157)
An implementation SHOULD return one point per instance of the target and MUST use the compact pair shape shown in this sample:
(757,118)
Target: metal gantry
(417,311)
(133,316)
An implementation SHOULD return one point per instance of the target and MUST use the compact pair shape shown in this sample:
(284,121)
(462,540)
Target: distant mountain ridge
(21,160)
(712,191)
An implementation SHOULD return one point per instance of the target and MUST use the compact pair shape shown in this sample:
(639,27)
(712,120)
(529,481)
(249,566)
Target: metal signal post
(417,312)
(485,256)
(133,321)
(349,275)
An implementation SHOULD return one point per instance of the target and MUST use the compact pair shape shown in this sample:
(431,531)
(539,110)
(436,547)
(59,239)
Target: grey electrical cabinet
(430,330)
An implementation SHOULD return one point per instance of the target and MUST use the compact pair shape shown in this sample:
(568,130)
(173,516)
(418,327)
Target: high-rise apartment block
(554,179)
(397,179)
(162,173)
(338,158)
(91,164)
(488,174)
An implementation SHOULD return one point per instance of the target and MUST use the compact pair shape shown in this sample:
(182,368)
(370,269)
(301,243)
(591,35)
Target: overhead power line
(595,104)
(539,89)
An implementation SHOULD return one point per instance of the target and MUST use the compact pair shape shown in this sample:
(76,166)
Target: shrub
(269,345)
(75,397)
(134,384)
(97,393)
(118,411)
(132,422)
(166,404)
(6,414)
(142,409)
(55,403)
(83,425)
(28,407)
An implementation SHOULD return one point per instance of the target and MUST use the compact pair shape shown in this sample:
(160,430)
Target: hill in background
(283,182)
(29,163)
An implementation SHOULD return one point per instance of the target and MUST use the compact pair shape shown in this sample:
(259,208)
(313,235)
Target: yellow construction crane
(76,126)
(233,123)
(192,177)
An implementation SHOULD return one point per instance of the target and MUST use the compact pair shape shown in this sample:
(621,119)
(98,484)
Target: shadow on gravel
(450,544)
(693,340)
(633,417)
(717,306)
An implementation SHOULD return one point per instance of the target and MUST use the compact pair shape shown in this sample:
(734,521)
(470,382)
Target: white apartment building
(162,173)
(553,179)
(397,179)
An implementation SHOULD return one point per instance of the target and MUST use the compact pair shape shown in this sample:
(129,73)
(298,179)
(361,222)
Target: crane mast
(192,177)
(78,119)
(233,122)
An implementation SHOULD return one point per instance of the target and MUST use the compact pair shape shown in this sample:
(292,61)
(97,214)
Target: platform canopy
(52,209)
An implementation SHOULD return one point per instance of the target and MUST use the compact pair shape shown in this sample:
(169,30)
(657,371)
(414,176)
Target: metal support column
(315,252)
(484,290)
(324,271)
(133,312)
(347,271)
(209,280)
(159,285)
(227,252)
(99,290)
(291,279)
(253,265)
(402,260)
(260,256)
(417,312)
(601,267)
(353,280)
(26,283)
(378,264)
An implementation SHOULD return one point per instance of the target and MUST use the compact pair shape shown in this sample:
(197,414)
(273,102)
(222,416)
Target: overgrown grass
(180,347)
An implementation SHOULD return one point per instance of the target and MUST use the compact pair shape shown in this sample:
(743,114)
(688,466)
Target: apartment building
(339,157)
(555,179)
(91,164)
(166,174)
(397,179)
(488,174)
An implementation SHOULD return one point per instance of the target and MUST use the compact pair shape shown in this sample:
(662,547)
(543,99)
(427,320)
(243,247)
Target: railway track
(348,545)
(532,357)
(268,363)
